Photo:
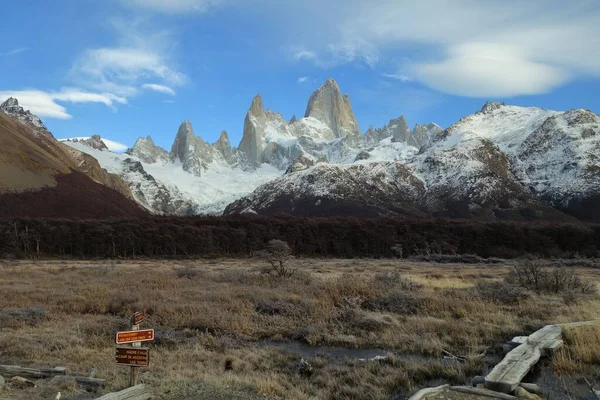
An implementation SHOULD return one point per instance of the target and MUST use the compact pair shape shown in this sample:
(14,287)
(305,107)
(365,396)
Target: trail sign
(133,356)
(137,318)
(144,335)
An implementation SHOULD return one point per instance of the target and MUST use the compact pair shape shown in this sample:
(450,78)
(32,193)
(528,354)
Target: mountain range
(502,162)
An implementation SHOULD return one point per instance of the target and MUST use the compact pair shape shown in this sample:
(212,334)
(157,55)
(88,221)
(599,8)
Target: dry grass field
(209,313)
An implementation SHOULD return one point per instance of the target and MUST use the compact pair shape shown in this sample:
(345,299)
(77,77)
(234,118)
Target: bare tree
(398,250)
(278,254)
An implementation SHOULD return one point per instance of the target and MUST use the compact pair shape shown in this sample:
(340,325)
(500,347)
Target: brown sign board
(137,318)
(143,335)
(133,356)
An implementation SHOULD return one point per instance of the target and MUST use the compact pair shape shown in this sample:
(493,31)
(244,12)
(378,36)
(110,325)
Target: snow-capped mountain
(503,162)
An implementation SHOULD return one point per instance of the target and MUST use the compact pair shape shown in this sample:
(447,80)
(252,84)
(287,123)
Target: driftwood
(425,392)
(8,371)
(138,392)
(90,384)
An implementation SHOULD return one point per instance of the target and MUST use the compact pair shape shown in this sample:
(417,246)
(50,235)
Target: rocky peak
(490,106)
(184,148)
(254,127)
(223,145)
(11,107)
(327,105)
(95,142)
(148,152)
(293,119)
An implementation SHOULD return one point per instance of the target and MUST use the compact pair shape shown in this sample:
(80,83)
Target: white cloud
(302,79)
(487,69)
(15,51)
(523,47)
(113,146)
(173,6)
(159,88)
(45,104)
(117,70)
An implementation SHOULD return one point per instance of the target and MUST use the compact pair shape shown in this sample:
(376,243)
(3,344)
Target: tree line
(339,237)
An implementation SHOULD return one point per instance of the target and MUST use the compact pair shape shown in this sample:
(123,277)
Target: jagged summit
(328,105)
(490,106)
(11,107)
(147,151)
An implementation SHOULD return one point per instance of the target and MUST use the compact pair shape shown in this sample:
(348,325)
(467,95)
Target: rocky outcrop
(95,142)
(251,146)
(423,134)
(11,107)
(328,105)
(194,153)
(148,152)
(300,164)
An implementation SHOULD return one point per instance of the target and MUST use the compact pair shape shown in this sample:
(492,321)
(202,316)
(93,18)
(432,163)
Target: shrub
(277,254)
(189,272)
(560,279)
(284,307)
(500,292)
(396,281)
(395,302)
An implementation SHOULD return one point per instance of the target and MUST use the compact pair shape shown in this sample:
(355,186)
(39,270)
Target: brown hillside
(41,177)
(75,195)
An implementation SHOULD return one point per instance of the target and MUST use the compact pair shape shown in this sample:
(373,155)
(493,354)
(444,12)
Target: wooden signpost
(134,355)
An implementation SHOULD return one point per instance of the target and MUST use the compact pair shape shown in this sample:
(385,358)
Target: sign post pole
(134,377)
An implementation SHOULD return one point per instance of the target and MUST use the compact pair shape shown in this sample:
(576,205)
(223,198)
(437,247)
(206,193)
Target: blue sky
(130,68)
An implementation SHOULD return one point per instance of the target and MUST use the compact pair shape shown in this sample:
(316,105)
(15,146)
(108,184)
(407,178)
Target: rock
(423,134)
(293,119)
(304,368)
(21,383)
(363,155)
(2,381)
(301,163)
(194,153)
(478,380)
(327,105)
(148,152)
(254,127)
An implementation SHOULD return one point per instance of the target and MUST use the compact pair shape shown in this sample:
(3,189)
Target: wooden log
(531,388)
(424,392)
(138,392)
(482,392)
(8,371)
(90,384)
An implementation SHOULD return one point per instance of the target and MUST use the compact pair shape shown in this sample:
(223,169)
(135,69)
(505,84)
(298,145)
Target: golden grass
(207,312)
(581,350)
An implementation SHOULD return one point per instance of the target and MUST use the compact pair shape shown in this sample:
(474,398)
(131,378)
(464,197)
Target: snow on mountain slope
(168,189)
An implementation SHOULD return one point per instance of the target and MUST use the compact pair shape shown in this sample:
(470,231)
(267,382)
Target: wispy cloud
(398,77)
(15,51)
(302,79)
(159,88)
(46,104)
(467,47)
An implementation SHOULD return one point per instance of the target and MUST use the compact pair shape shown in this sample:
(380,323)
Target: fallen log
(9,371)
(424,392)
(138,392)
(90,384)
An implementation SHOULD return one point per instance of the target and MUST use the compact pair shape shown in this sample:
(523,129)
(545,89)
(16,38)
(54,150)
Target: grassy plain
(209,313)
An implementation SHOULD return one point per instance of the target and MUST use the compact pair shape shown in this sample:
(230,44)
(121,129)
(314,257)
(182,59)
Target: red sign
(133,356)
(143,335)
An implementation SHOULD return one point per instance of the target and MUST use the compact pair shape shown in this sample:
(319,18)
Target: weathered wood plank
(482,392)
(506,376)
(138,392)
(9,371)
(424,392)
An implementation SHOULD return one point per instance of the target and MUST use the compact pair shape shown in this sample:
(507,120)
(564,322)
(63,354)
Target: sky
(129,68)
